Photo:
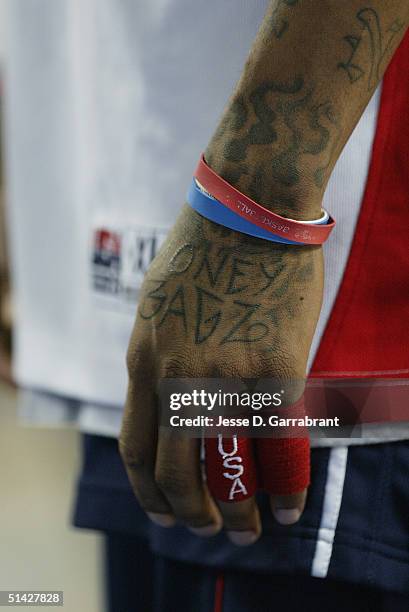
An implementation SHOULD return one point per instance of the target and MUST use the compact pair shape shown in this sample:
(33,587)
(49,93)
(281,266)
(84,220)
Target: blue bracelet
(212,209)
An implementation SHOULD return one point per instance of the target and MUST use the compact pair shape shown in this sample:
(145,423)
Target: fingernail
(163,520)
(207,531)
(287,516)
(242,538)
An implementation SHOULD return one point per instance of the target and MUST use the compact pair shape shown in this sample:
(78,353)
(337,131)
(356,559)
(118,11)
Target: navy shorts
(139,581)
(355,528)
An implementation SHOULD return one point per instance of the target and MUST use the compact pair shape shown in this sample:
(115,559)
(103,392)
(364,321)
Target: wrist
(255,179)
(205,230)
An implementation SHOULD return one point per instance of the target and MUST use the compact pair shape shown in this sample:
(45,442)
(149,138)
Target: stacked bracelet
(217,200)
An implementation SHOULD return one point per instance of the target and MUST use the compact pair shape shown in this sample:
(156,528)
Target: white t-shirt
(108,106)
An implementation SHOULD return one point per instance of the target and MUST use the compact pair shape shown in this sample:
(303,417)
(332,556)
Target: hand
(214,303)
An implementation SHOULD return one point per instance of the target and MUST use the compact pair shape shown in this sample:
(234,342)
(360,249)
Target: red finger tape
(283,461)
(230,468)
(283,464)
(280,465)
(291,229)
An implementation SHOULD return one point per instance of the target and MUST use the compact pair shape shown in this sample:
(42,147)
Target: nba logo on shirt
(106,261)
(120,259)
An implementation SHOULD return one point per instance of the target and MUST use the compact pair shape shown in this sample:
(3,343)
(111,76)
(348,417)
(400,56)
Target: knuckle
(262,364)
(175,483)
(149,501)
(134,458)
(283,365)
(176,366)
(237,521)
(195,517)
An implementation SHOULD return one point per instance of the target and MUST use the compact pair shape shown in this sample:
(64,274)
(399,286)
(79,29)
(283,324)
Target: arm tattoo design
(286,118)
(372,44)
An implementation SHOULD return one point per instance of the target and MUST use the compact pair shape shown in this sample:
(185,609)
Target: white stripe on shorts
(330,512)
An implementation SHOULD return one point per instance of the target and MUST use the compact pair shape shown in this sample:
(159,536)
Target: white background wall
(38,547)
(2,28)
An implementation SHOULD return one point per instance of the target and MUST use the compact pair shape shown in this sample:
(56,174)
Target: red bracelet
(300,231)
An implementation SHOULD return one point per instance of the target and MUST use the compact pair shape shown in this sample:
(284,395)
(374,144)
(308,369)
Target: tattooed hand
(215,303)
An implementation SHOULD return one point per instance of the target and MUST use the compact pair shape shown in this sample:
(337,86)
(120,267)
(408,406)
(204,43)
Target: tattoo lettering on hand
(208,314)
(370,48)
(241,332)
(270,277)
(154,301)
(210,271)
(176,307)
(203,279)
(234,286)
(182,259)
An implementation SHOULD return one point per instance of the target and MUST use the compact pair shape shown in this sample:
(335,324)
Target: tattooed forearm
(288,119)
(369,49)
(293,109)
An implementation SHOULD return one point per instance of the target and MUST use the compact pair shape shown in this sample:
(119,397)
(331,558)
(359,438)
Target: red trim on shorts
(219,593)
